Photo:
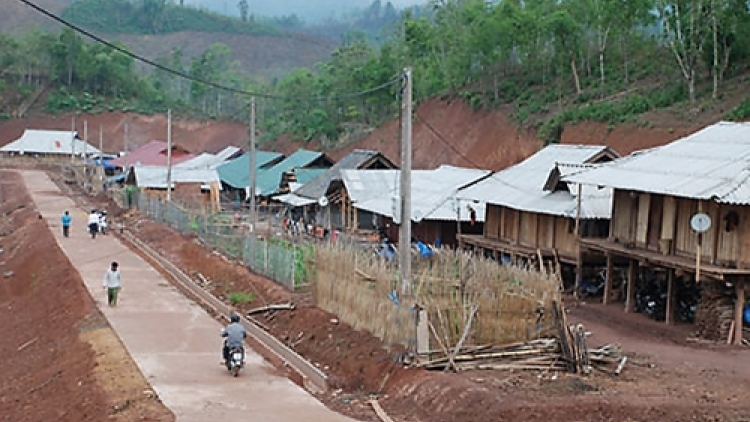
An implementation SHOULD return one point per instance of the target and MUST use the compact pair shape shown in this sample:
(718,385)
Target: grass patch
(241,298)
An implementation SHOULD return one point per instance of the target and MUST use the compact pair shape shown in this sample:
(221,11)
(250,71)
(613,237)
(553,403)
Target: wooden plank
(738,313)
(670,297)
(632,274)
(644,202)
(380,412)
(608,281)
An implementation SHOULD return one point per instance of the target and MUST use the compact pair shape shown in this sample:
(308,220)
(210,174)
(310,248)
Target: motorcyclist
(235,335)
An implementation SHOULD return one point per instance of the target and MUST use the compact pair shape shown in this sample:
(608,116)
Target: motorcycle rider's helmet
(234,318)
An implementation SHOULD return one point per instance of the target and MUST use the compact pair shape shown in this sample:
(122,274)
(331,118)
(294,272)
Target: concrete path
(175,343)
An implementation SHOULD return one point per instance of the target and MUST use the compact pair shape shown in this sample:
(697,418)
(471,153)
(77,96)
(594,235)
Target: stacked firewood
(714,316)
(567,352)
(535,354)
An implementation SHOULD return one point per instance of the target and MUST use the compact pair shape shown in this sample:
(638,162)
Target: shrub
(741,112)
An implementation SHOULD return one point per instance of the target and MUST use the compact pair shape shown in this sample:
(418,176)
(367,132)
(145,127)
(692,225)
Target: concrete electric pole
(169,155)
(404,241)
(252,182)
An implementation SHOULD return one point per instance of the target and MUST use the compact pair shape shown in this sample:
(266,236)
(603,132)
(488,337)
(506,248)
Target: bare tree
(685,31)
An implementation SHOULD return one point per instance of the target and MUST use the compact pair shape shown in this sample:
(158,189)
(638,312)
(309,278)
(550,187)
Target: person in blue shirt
(66,219)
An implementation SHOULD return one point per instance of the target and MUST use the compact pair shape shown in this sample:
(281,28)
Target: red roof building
(153,153)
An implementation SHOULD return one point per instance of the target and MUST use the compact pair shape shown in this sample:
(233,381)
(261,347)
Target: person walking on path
(66,220)
(112,283)
(93,223)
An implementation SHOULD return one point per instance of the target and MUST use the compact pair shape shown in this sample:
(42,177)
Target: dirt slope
(196,136)
(450,132)
(445,132)
(60,359)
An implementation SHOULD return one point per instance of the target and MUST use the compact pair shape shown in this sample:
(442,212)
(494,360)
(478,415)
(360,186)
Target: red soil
(51,363)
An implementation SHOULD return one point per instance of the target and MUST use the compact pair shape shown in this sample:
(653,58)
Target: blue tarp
(104,162)
(115,179)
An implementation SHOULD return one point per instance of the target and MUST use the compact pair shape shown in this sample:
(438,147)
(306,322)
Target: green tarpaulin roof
(236,173)
(269,179)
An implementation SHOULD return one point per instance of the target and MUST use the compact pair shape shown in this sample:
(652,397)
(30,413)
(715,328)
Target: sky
(308,10)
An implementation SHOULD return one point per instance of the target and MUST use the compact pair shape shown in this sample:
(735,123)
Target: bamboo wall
(662,223)
(514,304)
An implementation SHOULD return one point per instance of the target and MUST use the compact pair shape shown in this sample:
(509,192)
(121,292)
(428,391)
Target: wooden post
(608,281)
(739,306)
(632,274)
(698,250)
(579,264)
(669,319)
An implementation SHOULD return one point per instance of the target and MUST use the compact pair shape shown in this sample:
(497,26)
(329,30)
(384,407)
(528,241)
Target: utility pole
(85,141)
(73,139)
(100,168)
(169,155)
(251,183)
(404,241)
(125,138)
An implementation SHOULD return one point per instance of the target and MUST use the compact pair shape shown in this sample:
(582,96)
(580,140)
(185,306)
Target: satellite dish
(323,201)
(700,222)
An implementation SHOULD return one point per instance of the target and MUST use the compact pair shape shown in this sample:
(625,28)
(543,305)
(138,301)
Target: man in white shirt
(112,283)
(93,223)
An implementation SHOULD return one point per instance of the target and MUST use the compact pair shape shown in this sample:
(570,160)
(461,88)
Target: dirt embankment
(60,359)
(450,132)
(127,131)
(445,132)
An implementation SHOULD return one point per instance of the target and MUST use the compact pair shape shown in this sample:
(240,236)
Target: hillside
(262,56)
(17,18)
(209,135)
(266,57)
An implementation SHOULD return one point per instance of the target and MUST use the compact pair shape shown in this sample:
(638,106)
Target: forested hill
(547,63)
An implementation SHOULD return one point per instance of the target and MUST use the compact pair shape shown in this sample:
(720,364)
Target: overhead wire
(184,75)
(446,143)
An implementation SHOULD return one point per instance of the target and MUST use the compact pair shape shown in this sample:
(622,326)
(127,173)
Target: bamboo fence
(465,297)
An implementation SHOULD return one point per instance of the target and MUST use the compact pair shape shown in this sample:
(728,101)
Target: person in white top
(112,283)
(93,223)
(103,222)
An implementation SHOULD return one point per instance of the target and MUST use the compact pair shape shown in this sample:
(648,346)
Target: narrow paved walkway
(175,343)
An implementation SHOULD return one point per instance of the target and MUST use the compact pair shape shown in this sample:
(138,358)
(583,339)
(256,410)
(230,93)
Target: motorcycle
(236,360)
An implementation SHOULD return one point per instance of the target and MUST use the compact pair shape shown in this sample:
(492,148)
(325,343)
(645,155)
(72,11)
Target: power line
(446,142)
(184,75)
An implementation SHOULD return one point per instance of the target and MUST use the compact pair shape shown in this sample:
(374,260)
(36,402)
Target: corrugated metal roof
(153,153)
(269,179)
(713,163)
(521,187)
(236,173)
(50,142)
(433,191)
(305,176)
(294,200)
(155,177)
(209,161)
(354,160)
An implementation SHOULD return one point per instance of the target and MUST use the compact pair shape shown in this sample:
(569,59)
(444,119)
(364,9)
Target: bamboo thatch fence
(464,296)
